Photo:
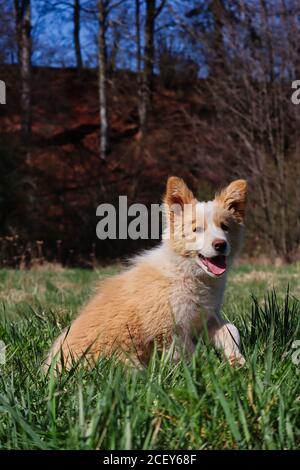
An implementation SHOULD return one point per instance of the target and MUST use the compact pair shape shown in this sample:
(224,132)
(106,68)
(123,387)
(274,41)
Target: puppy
(172,293)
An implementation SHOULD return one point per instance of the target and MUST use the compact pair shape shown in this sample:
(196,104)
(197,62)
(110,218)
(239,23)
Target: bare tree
(23,32)
(146,83)
(76,34)
(138,36)
(254,118)
(103,5)
(218,52)
(73,10)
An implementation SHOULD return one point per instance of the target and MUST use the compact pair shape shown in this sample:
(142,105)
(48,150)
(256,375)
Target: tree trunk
(76,33)
(102,80)
(23,32)
(218,51)
(146,88)
(149,44)
(111,65)
(138,35)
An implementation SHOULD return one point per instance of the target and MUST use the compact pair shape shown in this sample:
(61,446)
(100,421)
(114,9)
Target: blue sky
(53,34)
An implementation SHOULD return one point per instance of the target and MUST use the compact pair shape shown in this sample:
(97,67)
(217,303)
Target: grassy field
(201,405)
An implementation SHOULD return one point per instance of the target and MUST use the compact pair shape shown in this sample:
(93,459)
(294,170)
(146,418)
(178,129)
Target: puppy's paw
(236,360)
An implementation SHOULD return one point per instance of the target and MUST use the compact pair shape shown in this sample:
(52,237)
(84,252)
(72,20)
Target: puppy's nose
(219,245)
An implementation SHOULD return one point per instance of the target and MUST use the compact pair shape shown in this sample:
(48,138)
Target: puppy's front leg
(225,336)
(183,346)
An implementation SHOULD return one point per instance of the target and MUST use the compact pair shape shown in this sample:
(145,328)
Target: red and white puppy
(171,292)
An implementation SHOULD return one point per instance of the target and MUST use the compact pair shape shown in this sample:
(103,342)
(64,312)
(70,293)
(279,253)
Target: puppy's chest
(191,301)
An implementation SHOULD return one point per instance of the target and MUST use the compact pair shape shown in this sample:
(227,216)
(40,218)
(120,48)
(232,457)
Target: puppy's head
(208,233)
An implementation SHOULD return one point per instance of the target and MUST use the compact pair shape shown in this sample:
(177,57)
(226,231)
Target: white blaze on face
(207,231)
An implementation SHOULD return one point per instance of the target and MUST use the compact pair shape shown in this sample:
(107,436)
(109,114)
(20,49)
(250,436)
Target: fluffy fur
(170,292)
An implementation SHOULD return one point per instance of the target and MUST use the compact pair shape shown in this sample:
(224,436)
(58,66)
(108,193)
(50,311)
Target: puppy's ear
(234,198)
(177,193)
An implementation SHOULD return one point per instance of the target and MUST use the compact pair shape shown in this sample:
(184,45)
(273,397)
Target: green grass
(200,405)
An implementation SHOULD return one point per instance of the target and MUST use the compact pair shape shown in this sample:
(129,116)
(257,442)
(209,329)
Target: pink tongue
(216,265)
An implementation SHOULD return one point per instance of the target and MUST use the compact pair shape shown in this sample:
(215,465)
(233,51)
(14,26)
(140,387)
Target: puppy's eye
(224,227)
(195,229)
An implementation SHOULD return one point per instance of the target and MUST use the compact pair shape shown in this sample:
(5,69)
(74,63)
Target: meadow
(203,404)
